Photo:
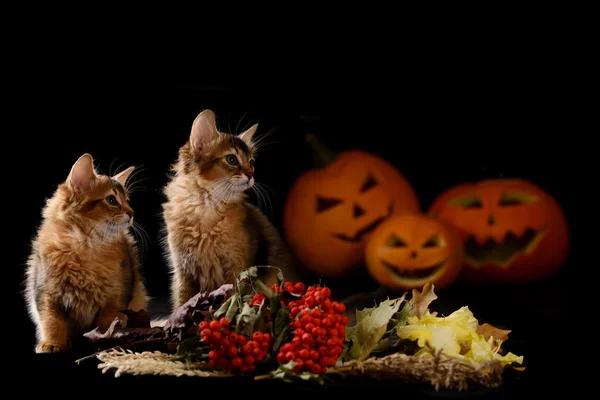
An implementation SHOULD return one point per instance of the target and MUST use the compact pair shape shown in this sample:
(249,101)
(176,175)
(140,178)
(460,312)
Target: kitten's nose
(129,212)
(249,174)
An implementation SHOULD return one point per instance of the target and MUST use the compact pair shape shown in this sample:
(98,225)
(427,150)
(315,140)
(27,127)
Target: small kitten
(84,266)
(212,232)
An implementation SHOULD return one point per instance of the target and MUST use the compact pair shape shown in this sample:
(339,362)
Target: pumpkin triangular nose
(491,219)
(358,211)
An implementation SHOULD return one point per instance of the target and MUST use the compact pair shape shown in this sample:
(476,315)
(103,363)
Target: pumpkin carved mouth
(501,253)
(421,273)
(357,237)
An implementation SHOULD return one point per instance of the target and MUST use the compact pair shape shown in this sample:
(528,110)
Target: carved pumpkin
(330,211)
(513,230)
(407,251)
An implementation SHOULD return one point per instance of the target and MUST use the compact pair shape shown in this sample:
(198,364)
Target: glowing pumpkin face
(330,212)
(512,229)
(407,251)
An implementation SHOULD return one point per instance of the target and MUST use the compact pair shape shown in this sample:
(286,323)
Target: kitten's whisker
(143,239)
(268,204)
(238,124)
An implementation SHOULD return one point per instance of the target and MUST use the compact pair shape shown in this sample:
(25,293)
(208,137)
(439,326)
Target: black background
(438,130)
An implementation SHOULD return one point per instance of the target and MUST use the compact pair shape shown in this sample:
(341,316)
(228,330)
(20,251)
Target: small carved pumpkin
(407,251)
(513,230)
(330,211)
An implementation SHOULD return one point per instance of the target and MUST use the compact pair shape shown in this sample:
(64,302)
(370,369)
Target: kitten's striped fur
(212,232)
(83,268)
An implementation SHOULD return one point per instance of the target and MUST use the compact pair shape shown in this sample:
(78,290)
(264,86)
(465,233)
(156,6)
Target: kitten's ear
(204,130)
(247,135)
(82,174)
(122,176)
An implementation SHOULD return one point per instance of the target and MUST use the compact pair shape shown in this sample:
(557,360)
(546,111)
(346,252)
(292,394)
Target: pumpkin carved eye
(472,201)
(324,203)
(515,198)
(369,183)
(395,241)
(434,241)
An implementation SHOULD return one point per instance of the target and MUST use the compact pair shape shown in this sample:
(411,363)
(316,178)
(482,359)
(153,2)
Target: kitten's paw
(50,347)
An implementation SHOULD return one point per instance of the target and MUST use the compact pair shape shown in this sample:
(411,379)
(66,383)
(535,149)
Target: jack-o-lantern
(409,250)
(513,230)
(330,211)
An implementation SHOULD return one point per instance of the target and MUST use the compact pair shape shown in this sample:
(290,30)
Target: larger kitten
(213,233)
(84,264)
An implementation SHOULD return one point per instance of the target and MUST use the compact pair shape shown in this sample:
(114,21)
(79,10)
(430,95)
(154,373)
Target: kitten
(84,267)
(212,232)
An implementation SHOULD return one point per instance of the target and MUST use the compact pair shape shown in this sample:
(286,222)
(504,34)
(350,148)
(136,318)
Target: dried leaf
(420,300)
(488,330)
(122,336)
(371,326)
(183,317)
(137,319)
(114,331)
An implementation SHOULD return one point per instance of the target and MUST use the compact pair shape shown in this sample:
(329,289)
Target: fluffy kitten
(213,233)
(84,264)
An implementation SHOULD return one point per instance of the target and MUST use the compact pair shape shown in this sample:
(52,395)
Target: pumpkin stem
(322,154)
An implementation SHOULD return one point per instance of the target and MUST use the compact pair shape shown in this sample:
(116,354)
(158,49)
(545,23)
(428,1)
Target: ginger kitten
(84,267)
(212,232)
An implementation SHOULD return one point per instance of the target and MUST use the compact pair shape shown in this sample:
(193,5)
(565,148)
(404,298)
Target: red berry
(215,325)
(213,355)
(281,358)
(217,336)
(249,360)
(315,369)
(287,347)
(326,292)
(289,356)
(257,336)
(304,354)
(237,362)
(314,355)
(299,287)
(224,322)
(296,341)
(203,325)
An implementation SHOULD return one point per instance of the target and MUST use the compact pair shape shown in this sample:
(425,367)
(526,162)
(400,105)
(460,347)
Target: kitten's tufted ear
(204,130)
(122,176)
(248,134)
(82,174)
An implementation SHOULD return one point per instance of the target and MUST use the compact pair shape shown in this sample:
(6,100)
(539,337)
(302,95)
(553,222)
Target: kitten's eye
(231,159)
(112,200)
(251,163)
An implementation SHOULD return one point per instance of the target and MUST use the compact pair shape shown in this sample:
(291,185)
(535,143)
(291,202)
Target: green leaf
(280,277)
(245,320)
(251,272)
(229,308)
(279,340)
(286,374)
(282,321)
(402,316)
(259,321)
(192,348)
(371,326)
